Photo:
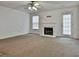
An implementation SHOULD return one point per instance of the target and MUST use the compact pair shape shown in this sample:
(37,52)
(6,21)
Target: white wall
(56,20)
(13,22)
(77,24)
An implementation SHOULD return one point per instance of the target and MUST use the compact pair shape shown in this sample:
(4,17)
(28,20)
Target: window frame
(35,23)
(71,22)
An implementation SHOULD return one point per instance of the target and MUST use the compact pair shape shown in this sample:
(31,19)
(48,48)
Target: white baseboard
(9,36)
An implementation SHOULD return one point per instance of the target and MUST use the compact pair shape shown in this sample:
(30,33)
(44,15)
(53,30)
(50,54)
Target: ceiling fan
(33,6)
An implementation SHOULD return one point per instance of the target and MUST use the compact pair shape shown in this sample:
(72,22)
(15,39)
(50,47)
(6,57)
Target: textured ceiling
(45,5)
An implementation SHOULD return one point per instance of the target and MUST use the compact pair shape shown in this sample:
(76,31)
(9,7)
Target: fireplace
(48,31)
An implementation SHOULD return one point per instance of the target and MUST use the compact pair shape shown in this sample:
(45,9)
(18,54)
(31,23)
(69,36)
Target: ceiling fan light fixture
(36,4)
(33,6)
(29,8)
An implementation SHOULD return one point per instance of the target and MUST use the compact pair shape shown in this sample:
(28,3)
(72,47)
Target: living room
(39,28)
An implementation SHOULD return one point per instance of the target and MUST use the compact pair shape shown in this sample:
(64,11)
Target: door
(67,25)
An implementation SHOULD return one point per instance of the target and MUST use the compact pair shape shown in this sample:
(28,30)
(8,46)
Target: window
(35,22)
(67,24)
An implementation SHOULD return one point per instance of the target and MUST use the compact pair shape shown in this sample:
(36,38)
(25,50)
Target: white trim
(9,36)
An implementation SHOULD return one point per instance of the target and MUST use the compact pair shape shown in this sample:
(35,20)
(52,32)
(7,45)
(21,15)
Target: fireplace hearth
(48,31)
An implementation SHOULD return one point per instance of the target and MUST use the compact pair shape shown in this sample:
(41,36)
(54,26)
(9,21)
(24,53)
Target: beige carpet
(37,46)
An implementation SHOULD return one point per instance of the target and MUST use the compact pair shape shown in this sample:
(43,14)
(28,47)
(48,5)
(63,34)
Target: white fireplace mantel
(52,25)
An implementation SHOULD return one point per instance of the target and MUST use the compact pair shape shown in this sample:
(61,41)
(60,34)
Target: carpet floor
(32,45)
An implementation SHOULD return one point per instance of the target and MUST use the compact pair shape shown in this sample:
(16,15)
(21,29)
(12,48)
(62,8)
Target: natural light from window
(67,24)
(35,22)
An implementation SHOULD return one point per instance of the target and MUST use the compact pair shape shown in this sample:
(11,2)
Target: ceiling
(45,5)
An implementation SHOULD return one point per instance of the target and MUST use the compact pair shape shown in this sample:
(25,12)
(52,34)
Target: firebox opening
(48,31)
